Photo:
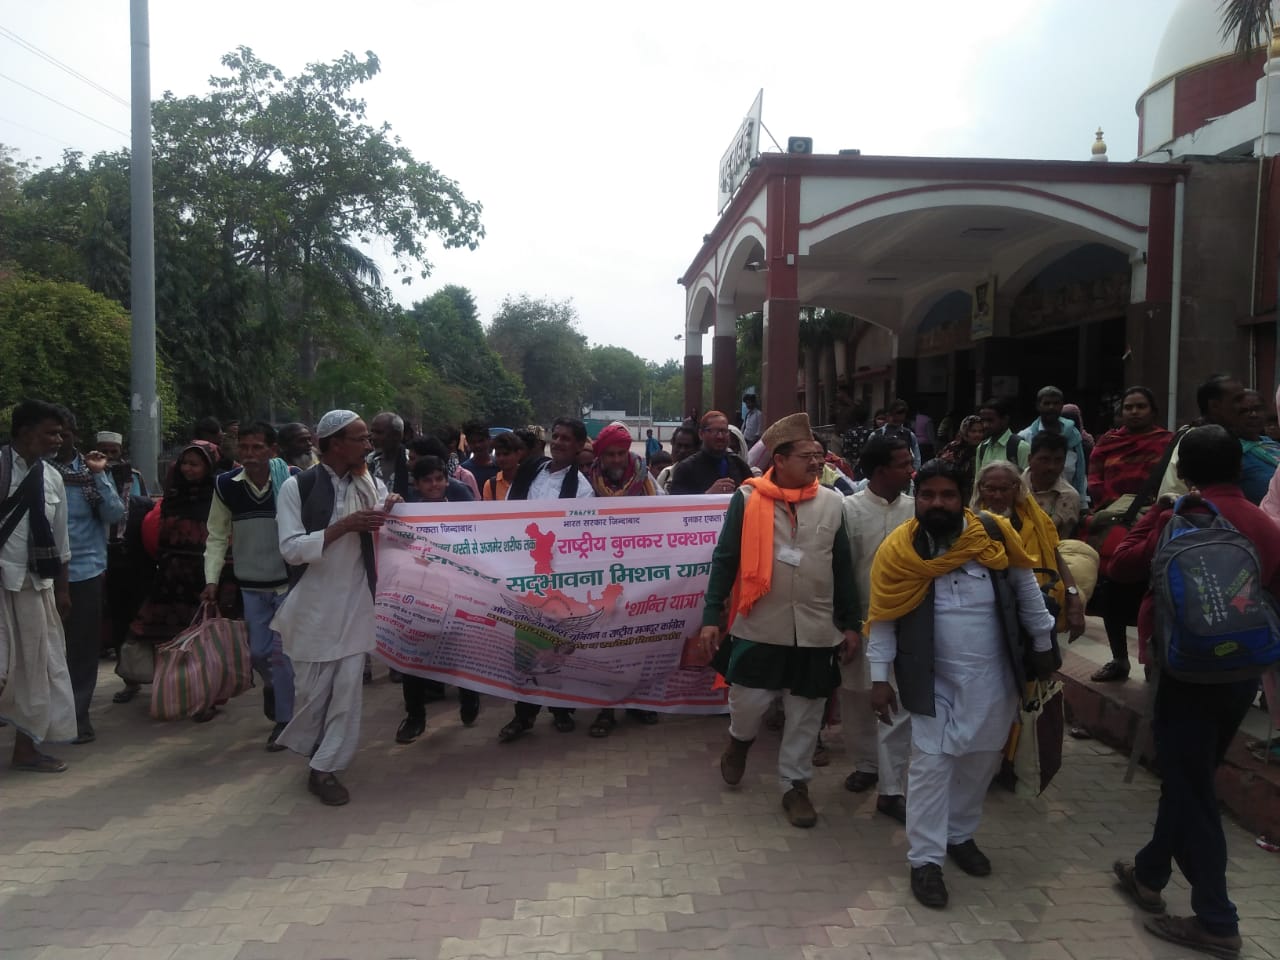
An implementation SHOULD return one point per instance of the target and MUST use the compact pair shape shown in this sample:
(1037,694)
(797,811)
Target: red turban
(614,435)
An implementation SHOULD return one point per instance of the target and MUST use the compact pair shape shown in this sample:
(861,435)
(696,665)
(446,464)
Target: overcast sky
(592,135)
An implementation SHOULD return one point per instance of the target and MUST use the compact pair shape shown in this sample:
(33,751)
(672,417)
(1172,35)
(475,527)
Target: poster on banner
(574,603)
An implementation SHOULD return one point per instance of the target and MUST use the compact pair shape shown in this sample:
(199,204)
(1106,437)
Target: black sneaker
(969,858)
(927,885)
(272,746)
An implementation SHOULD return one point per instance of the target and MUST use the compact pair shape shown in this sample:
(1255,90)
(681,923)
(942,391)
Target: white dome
(1193,36)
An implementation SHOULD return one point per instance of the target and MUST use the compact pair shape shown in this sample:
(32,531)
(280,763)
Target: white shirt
(328,615)
(974,695)
(868,519)
(15,557)
(546,485)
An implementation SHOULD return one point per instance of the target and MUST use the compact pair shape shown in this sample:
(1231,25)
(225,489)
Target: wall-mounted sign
(983,324)
(736,161)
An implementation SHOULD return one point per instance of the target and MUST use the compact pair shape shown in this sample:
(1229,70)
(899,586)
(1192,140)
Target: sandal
(564,722)
(1149,901)
(125,695)
(602,726)
(205,715)
(646,717)
(514,730)
(1116,670)
(43,763)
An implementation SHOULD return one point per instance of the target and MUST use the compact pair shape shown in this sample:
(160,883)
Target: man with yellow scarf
(783,563)
(947,599)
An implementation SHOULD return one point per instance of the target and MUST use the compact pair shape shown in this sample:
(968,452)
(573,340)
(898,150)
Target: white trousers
(875,747)
(747,706)
(326,711)
(944,801)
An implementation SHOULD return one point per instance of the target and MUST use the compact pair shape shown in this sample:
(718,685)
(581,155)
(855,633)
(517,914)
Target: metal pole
(144,406)
(1175,306)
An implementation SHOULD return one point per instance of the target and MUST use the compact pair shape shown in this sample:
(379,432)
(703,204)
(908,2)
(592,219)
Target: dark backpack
(1214,621)
(1011,448)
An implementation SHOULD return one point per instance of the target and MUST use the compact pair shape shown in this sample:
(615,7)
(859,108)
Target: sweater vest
(255,539)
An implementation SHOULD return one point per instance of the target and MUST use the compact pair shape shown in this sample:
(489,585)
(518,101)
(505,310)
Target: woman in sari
(1120,466)
(1261,453)
(963,452)
(999,489)
(174,597)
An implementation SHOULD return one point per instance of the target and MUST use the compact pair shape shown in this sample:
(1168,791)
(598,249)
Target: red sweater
(1131,561)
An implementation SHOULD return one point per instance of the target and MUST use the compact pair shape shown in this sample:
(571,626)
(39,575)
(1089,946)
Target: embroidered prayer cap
(614,435)
(107,436)
(789,429)
(333,421)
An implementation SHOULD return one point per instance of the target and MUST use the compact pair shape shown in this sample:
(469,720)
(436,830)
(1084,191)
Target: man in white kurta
(326,622)
(959,671)
(879,751)
(35,687)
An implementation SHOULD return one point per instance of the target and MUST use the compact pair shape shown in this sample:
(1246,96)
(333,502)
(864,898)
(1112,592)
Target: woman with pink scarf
(1271,507)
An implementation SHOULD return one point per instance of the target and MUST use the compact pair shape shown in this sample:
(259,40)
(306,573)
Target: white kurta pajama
(874,747)
(956,753)
(326,624)
(35,687)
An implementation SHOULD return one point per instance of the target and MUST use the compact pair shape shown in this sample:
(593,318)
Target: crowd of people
(905,585)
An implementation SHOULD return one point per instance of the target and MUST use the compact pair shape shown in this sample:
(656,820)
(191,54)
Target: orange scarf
(755,567)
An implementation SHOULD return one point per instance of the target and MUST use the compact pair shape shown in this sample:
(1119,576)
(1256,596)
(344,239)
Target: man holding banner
(555,479)
(327,517)
(617,472)
(785,549)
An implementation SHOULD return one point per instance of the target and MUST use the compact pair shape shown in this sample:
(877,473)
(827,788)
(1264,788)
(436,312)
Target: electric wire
(65,68)
(64,106)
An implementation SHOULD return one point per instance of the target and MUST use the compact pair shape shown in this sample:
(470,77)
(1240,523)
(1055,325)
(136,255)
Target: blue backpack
(1214,620)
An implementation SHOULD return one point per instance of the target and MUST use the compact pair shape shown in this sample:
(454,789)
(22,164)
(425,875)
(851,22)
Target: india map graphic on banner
(558,602)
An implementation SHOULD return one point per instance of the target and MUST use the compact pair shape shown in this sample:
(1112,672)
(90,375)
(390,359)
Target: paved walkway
(168,841)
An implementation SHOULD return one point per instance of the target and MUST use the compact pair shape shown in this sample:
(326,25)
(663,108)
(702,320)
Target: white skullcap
(333,421)
(107,436)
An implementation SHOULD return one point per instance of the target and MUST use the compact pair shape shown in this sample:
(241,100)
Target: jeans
(266,649)
(1193,725)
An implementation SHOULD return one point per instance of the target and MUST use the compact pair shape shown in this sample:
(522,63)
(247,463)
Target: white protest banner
(568,603)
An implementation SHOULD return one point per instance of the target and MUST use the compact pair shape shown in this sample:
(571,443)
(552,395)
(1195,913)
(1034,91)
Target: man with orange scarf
(948,592)
(784,556)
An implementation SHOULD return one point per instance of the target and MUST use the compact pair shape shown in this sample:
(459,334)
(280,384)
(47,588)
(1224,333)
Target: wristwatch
(1073,592)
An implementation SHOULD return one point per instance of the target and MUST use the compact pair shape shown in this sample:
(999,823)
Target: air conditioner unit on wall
(799,144)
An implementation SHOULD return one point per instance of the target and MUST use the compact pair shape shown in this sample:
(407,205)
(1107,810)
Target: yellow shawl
(900,577)
(1040,539)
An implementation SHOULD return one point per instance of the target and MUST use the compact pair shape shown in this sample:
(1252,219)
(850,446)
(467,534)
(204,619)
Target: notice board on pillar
(984,309)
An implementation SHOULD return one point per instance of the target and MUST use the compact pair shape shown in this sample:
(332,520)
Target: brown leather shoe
(1187,932)
(733,762)
(799,808)
(328,789)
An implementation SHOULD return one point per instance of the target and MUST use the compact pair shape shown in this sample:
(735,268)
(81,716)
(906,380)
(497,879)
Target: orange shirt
(502,484)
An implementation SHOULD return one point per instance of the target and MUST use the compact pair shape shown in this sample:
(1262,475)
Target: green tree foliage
(466,369)
(60,341)
(269,191)
(619,379)
(539,341)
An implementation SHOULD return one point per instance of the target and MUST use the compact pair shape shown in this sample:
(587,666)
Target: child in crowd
(431,484)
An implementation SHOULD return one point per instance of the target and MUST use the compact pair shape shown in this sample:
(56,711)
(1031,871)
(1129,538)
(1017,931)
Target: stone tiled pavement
(168,841)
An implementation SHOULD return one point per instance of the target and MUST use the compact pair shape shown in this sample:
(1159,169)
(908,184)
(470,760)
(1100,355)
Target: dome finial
(1099,149)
